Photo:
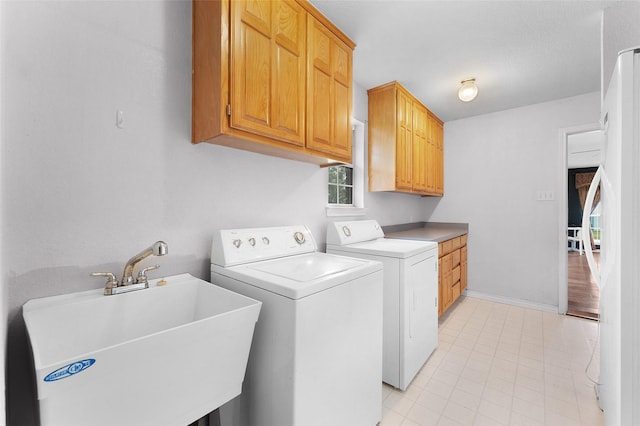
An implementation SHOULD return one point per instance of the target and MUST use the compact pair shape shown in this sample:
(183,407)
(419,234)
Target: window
(345,183)
(341,185)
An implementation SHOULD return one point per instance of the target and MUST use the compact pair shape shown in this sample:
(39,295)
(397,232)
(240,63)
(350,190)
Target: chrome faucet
(127,283)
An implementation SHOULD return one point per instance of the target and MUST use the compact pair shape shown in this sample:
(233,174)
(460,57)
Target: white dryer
(316,356)
(410,295)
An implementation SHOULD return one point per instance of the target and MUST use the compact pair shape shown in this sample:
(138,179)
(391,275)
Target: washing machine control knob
(299,237)
(252,241)
(346,231)
(237,243)
(266,241)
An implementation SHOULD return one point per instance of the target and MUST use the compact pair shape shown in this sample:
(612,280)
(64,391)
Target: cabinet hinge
(229,110)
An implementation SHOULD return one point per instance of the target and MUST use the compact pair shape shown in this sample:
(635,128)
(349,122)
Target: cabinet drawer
(455,258)
(456,275)
(456,291)
(463,254)
(455,243)
(463,240)
(445,247)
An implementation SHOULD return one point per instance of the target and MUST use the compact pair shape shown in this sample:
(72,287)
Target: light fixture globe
(468,90)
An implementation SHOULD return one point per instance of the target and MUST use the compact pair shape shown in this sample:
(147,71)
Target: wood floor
(583,293)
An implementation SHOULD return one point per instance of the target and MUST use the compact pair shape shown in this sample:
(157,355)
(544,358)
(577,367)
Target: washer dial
(299,237)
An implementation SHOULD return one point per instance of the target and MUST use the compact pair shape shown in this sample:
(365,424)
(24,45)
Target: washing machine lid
(299,276)
(401,249)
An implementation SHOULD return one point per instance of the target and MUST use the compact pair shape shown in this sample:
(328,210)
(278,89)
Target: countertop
(429,231)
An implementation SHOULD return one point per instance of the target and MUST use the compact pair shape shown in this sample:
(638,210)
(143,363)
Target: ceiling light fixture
(468,90)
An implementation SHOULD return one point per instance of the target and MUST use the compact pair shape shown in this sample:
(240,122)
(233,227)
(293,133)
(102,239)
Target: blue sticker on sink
(69,370)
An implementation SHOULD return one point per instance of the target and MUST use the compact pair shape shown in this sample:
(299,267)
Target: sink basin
(166,355)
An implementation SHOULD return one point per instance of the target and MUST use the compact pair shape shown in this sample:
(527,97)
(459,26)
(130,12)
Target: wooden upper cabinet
(267,68)
(439,155)
(421,153)
(330,88)
(252,84)
(404,140)
(403,143)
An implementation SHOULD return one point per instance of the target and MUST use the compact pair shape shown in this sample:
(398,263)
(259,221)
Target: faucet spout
(159,248)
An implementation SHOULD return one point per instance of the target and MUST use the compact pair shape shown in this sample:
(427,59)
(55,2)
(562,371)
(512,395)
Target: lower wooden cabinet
(452,271)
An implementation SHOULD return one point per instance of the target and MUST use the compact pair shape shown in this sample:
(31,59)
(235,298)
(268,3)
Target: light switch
(545,196)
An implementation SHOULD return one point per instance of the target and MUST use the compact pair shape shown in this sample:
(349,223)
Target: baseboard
(511,301)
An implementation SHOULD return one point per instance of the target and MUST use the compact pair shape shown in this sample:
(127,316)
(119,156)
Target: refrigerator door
(599,180)
(619,384)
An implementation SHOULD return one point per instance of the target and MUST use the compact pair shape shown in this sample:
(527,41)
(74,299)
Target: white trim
(563,136)
(357,158)
(345,211)
(510,301)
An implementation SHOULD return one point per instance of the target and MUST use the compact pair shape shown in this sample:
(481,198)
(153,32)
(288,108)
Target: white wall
(81,195)
(620,31)
(495,164)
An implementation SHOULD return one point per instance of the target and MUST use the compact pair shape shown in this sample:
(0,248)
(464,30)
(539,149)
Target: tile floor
(500,364)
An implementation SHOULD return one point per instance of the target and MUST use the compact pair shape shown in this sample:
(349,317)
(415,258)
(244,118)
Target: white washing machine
(410,294)
(316,356)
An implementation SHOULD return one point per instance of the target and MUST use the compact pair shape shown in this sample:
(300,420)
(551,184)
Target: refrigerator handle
(586,226)
(608,195)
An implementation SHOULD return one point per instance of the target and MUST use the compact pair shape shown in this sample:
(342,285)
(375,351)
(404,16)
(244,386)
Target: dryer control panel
(351,232)
(238,246)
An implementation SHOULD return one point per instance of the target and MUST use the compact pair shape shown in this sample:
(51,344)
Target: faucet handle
(112,281)
(142,277)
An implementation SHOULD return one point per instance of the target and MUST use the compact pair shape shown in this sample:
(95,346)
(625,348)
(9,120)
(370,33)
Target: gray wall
(494,166)
(81,195)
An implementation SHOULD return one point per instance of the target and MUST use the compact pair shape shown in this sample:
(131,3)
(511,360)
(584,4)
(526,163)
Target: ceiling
(520,52)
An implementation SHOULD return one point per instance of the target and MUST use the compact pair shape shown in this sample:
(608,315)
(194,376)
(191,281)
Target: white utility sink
(166,355)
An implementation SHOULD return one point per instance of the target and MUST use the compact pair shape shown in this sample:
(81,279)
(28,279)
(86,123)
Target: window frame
(358,180)
(339,185)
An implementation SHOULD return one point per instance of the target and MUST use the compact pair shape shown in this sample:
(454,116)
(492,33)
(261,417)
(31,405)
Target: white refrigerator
(619,272)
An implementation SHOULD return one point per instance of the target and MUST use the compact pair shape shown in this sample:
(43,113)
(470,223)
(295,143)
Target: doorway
(583,154)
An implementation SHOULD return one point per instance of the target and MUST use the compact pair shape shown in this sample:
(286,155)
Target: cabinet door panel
(439,142)
(431,154)
(267,69)
(288,85)
(419,152)
(329,113)
(447,281)
(342,123)
(403,141)
(342,64)
(256,14)
(287,117)
(321,125)
(252,85)
(440,287)
(463,268)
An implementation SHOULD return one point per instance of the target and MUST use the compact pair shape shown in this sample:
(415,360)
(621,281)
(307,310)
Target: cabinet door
(447,281)
(463,268)
(440,286)
(439,158)
(329,89)
(420,149)
(268,46)
(404,137)
(431,154)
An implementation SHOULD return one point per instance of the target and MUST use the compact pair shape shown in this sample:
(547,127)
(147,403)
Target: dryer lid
(401,249)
